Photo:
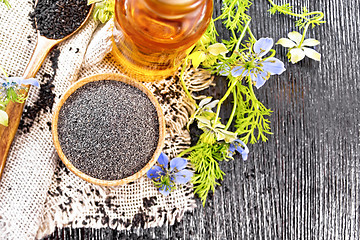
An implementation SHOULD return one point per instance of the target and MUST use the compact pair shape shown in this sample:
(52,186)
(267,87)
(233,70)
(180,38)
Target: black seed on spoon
(56,19)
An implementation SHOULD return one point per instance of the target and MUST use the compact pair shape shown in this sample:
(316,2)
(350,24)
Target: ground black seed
(108,129)
(55,19)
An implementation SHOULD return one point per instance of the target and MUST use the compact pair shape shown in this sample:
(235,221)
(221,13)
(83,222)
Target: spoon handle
(14,110)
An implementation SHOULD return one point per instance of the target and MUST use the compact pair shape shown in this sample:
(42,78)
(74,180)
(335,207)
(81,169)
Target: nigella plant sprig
(246,63)
(167,173)
(297,44)
(12,89)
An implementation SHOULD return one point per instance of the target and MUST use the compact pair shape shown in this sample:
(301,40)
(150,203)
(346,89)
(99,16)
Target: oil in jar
(150,37)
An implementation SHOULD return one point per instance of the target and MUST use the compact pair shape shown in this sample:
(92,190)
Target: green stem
(304,33)
(321,14)
(234,92)
(273,52)
(184,85)
(251,89)
(251,34)
(241,36)
(222,100)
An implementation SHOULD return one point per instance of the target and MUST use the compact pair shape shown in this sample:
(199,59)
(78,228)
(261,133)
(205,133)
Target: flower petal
(164,190)
(4,118)
(163,160)
(31,81)
(197,58)
(155,172)
(217,48)
(295,36)
(296,55)
(212,104)
(228,136)
(178,163)
(20,80)
(260,79)
(243,151)
(311,53)
(273,66)
(183,176)
(237,71)
(231,147)
(263,46)
(285,42)
(205,101)
(310,42)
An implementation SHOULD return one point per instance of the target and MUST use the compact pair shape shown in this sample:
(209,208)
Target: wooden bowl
(124,79)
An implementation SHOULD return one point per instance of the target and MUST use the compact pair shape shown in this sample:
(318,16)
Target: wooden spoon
(14,110)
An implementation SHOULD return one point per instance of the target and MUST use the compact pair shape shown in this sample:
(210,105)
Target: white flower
(298,49)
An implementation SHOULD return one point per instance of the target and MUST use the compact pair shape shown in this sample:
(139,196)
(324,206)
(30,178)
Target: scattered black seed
(59,190)
(70,48)
(127,224)
(69,200)
(108,202)
(149,202)
(77,50)
(54,58)
(108,129)
(138,220)
(105,220)
(45,98)
(97,193)
(56,19)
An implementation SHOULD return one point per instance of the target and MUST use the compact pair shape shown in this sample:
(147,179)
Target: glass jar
(150,37)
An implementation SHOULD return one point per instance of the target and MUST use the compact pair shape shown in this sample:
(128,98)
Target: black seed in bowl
(55,19)
(107,129)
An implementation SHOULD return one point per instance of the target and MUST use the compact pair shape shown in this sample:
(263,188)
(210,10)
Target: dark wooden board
(304,183)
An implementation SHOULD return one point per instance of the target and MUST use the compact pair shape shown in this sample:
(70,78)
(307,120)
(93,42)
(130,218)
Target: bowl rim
(114,77)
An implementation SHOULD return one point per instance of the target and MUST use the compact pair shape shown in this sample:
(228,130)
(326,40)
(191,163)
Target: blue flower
(11,82)
(255,67)
(240,147)
(165,176)
(11,88)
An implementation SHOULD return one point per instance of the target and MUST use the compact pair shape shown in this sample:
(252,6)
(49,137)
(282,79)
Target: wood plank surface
(304,183)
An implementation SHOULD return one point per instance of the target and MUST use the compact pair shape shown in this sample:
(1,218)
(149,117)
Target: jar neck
(173,8)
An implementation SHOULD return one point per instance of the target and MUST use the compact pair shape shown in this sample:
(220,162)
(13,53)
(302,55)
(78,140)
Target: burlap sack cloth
(37,193)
